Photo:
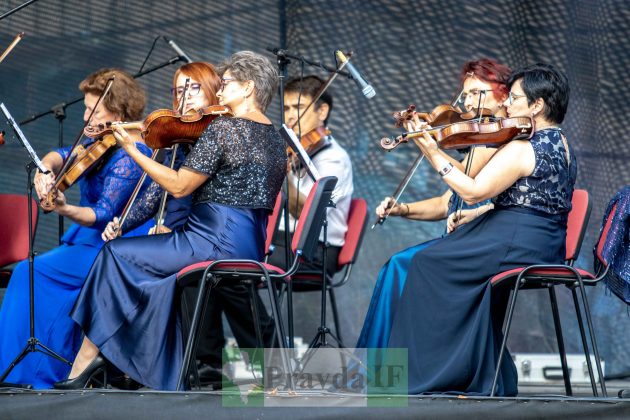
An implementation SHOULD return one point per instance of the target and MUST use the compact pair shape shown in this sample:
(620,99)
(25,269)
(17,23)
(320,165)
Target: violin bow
(12,45)
(400,189)
(70,157)
(136,190)
(412,170)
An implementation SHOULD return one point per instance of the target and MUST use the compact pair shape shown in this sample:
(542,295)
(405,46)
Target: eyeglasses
(514,96)
(226,80)
(192,90)
(473,93)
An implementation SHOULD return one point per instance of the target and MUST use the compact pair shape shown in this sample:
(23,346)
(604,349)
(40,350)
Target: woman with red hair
(483,85)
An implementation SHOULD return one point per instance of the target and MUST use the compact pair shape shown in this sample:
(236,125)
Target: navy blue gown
(388,289)
(449,318)
(127,306)
(59,275)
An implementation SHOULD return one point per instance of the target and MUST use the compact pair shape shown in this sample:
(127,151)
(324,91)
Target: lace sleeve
(120,178)
(148,202)
(145,206)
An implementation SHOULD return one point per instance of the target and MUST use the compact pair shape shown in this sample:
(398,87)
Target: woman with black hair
(456,316)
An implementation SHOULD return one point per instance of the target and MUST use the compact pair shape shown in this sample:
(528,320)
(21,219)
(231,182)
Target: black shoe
(208,376)
(96,367)
(124,382)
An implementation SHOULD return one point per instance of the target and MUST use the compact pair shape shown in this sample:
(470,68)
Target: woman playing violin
(60,273)
(328,156)
(195,87)
(483,85)
(448,299)
(127,306)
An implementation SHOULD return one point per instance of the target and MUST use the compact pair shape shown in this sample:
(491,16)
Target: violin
(83,159)
(494,133)
(164,128)
(440,115)
(312,142)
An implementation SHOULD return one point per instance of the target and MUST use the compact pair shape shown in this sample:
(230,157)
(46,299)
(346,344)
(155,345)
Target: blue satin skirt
(127,306)
(57,276)
(387,291)
(449,317)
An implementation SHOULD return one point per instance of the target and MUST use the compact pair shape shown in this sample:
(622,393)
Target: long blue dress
(449,318)
(128,306)
(388,289)
(59,275)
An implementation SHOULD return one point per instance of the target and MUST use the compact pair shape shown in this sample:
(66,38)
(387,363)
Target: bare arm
(513,161)
(179,183)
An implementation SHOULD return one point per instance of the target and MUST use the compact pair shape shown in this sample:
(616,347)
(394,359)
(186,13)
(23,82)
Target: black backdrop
(409,51)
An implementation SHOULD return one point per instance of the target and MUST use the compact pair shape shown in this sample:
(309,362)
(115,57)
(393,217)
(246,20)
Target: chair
(307,281)
(548,276)
(209,273)
(14,231)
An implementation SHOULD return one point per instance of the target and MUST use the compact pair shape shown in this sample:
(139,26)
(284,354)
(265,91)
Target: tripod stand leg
(26,350)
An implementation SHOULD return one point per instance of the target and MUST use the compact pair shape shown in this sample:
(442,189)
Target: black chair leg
(587,353)
(508,323)
(563,354)
(193,332)
(286,362)
(591,331)
(253,302)
(333,304)
(290,313)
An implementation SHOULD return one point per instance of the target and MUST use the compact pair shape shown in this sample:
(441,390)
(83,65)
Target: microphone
(366,88)
(178,50)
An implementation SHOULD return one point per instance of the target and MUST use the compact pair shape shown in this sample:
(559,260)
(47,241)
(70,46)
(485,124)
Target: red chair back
(14,227)
(272,222)
(357,218)
(309,226)
(577,223)
(604,235)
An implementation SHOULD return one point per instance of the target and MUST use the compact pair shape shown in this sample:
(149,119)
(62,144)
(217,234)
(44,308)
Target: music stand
(32,344)
(292,141)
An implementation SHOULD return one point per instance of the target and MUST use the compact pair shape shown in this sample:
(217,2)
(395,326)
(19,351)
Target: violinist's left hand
(426,143)
(124,139)
(60,201)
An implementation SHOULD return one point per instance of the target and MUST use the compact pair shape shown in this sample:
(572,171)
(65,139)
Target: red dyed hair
(489,71)
(205,74)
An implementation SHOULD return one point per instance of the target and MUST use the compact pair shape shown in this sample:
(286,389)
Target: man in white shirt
(329,158)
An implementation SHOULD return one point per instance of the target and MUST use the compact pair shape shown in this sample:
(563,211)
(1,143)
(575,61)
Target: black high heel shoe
(96,367)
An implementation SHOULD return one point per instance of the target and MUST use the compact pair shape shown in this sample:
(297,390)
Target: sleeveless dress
(128,306)
(59,275)
(449,319)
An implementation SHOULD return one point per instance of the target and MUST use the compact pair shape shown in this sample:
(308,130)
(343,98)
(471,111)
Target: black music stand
(309,252)
(32,343)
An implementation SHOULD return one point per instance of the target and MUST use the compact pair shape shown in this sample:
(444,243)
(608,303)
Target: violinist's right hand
(112,230)
(43,183)
(384,207)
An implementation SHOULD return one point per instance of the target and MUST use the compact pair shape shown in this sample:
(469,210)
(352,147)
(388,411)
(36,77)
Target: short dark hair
(544,81)
(310,86)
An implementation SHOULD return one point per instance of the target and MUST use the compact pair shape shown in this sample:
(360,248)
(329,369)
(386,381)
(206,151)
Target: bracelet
(407,207)
(446,169)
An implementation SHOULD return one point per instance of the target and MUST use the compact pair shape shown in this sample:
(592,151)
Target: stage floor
(101,404)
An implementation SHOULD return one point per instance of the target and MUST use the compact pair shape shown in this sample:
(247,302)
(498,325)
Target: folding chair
(547,276)
(14,232)
(210,273)
(307,281)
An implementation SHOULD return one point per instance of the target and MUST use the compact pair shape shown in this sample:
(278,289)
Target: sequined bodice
(550,186)
(245,162)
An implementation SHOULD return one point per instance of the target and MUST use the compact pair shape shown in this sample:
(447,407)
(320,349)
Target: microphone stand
(59,112)
(283,59)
